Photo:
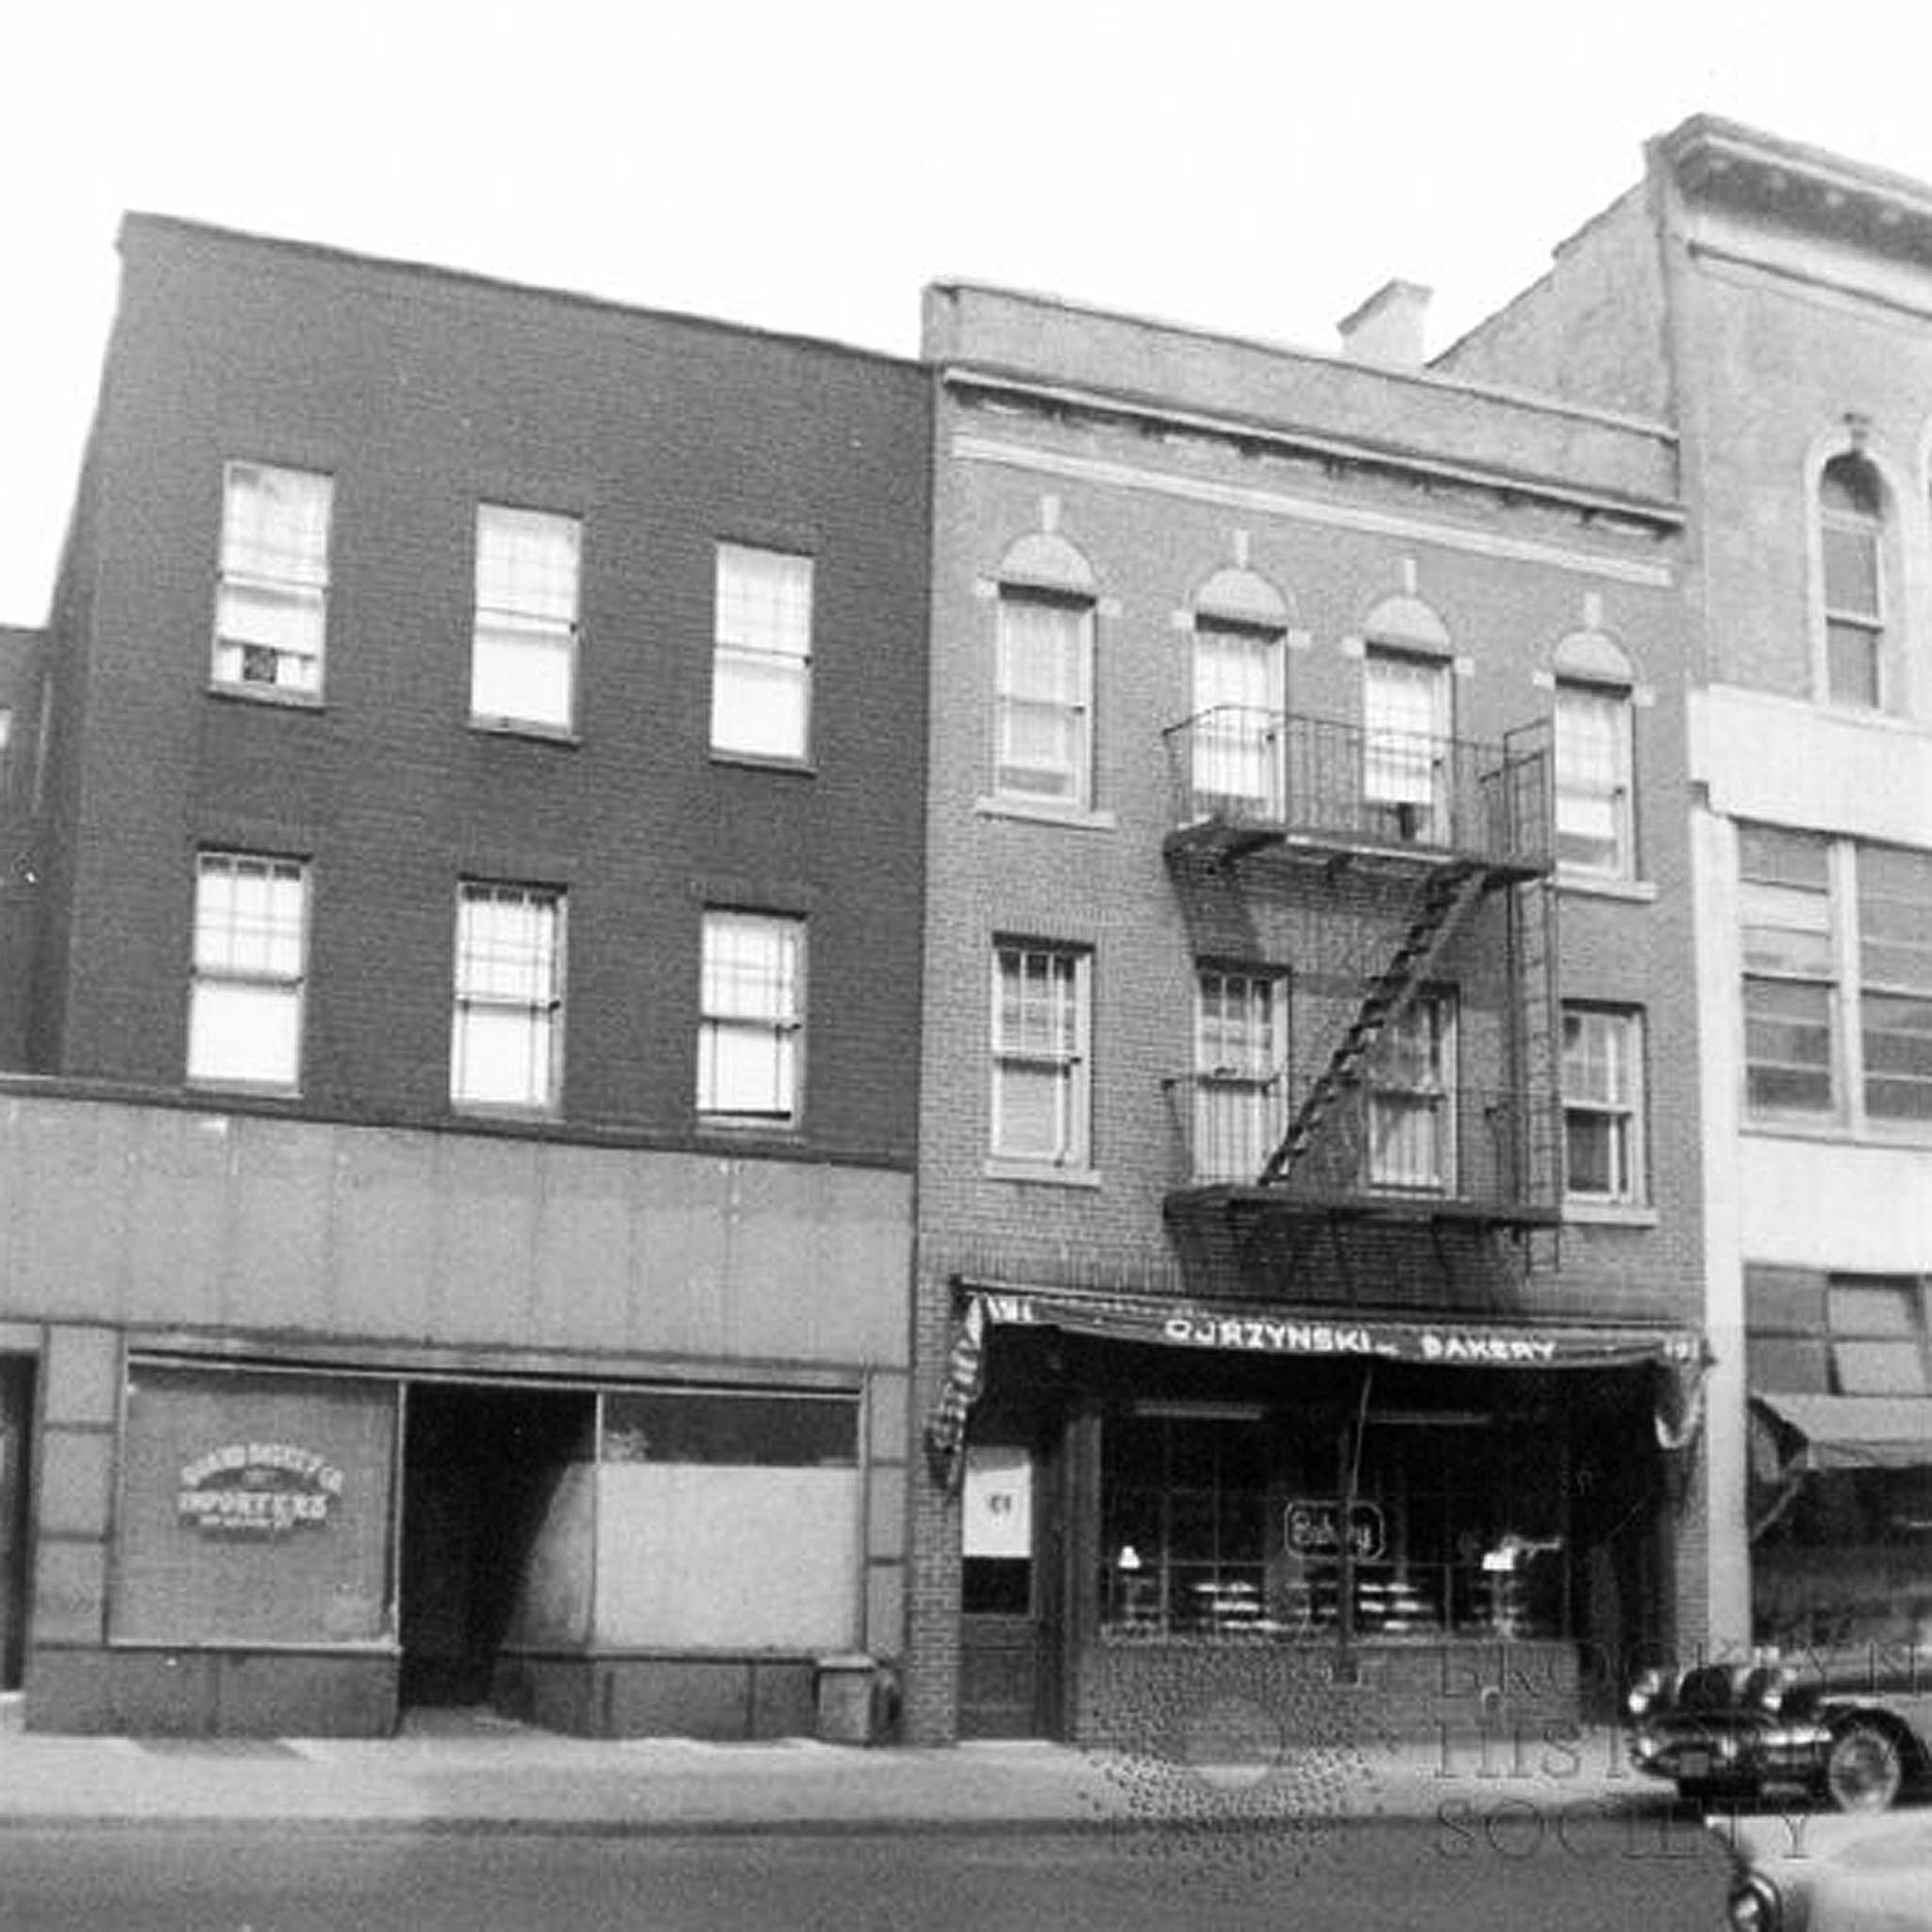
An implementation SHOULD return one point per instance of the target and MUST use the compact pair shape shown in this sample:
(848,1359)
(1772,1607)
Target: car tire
(1864,1767)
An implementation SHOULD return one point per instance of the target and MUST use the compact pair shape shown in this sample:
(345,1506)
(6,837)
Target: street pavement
(453,1772)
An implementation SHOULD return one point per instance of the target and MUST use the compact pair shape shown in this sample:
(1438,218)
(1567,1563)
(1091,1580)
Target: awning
(1302,1334)
(1268,1328)
(1853,1431)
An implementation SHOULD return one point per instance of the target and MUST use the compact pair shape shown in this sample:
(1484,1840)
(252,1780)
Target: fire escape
(1374,1116)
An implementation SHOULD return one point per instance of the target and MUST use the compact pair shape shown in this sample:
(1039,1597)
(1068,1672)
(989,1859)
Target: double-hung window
(1603,1104)
(244,1008)
(761,664)
(1895,982)
(751,1039)
(1240,1057)
(1406,744)
(1042,1055)
(272,606)
(1790,972)
(1043,725)
(1237,725)
(1593,767)
(1411,1099)
(524,655)
(1852,544)
(1877,1332)
(507,1037)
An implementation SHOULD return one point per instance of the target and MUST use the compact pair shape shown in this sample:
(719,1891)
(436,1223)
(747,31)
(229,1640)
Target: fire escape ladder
(1445,902)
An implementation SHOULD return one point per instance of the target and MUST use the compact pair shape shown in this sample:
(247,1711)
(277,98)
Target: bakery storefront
(1429,1510)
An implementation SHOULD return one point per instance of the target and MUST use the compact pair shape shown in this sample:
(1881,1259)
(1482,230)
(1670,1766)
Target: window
(523,660)
(761,674)
(1411,1085)
(272,607)
(706,1496)
(1877,1336)
(1594,764)
(1237,739)
(1852,539)
(1041,1067)
(1044,697)
(1896,981)
(1239,1052)
(244,1007)
(507,1038)
(751,1028)
(1603,1104)
(1405,743)
(6,753)
(1791,981)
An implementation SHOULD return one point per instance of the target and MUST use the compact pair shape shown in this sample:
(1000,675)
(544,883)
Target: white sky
(1256,166)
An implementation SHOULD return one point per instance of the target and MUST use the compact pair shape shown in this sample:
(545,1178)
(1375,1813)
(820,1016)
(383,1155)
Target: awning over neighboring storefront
(1853,1431)
(1294,1333)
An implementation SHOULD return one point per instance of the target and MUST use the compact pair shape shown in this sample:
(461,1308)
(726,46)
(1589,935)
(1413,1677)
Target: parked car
(1857,1730)
(1803,1874)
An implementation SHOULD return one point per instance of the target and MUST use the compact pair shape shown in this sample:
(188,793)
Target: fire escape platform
(1223,843)
(1252,1203)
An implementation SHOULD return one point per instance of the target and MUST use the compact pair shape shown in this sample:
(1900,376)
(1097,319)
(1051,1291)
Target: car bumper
(1709,1751)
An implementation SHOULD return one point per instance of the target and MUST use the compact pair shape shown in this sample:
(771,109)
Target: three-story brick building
(459,1182)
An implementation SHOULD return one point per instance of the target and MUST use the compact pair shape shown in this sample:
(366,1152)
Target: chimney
(1387,327)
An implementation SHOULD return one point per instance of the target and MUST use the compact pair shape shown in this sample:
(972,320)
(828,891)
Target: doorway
(480,1464)
(16,1489)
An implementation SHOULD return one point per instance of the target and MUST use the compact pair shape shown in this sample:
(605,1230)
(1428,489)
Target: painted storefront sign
(258,1490)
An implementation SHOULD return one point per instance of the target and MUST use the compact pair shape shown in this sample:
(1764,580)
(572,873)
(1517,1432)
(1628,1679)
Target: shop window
(1040,1057)
(1603,1104)
(729,1520)
(245,996)
(1241,1054)
(524,651)
(507,1038)
(761,662)
(996,1531)
(1791,981)
(272,606)
(751,1034)
(1411,1099)
(252,1508)
(1877,1331)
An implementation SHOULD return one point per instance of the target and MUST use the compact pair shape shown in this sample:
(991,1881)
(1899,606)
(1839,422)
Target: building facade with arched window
(1791,292)
(1306,1231)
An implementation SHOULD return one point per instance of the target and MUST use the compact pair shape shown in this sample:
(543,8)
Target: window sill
(1073,817)
(528,728)
(268,694)
(737,1127)
(764,761)
(473,1110)
(1839,1133)
(1040,1173)
(1593,885)
(1611,1214)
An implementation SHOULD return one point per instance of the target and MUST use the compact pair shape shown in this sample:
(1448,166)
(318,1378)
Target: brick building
(1309,1238)
(1776,303)
(459,1171)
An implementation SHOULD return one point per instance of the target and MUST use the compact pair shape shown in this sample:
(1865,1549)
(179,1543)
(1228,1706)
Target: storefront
(1430,1509)
(297,1547)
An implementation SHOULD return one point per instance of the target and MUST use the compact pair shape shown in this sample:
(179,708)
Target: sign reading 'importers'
(258,1490)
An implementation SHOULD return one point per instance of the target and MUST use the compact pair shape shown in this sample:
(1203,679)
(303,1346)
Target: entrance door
(1009,1624)
(480,1467)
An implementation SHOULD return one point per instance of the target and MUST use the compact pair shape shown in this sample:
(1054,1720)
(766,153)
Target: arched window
(1043,675)
(1852,519)
(1595,767)
(1408,722)
(1239,693)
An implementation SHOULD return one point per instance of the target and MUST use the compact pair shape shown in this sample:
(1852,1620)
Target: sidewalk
(473,1772)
